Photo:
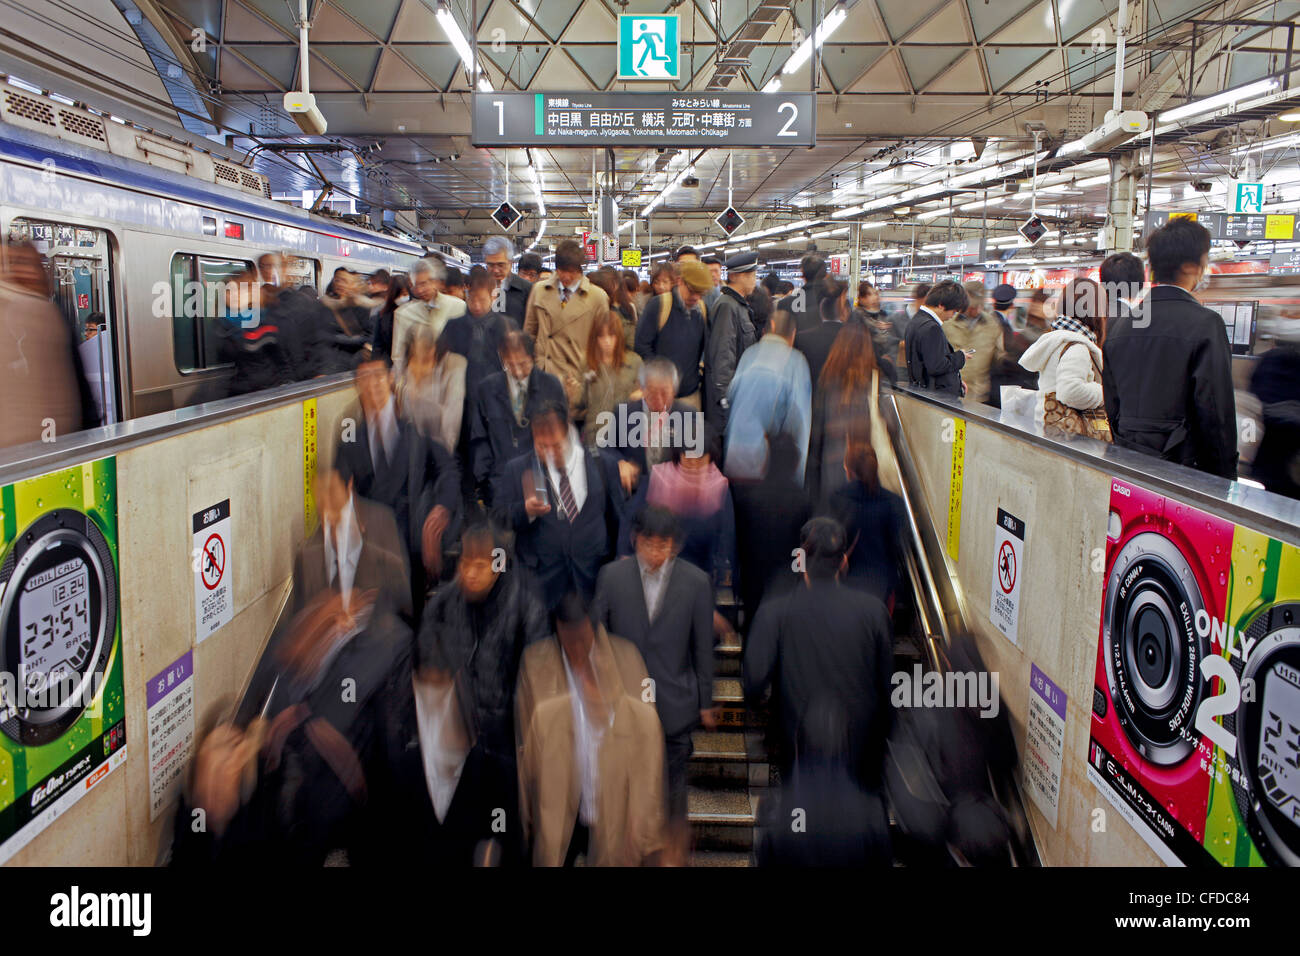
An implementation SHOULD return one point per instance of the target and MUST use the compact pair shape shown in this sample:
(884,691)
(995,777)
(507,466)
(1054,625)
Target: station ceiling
(907,88)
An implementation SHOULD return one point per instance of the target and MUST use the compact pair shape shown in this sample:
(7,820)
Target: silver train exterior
(122,224)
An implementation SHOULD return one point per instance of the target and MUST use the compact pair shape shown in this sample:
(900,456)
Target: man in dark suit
(823,643)
(503,405)
(314,750)
(1181,408)
(932,362)
(665,607)
(389,460)
(655,425)
(815,343)
(478,333)
(564,504)
(511,292)
(805,304)
(357,546)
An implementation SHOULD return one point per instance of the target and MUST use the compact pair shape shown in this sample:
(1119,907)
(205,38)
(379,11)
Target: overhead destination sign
(633,118)
(1243,227)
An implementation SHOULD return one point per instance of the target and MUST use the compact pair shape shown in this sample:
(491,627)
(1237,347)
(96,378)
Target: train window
(299,271)
(198,305)
(80,272)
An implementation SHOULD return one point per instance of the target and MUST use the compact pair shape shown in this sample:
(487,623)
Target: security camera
(690,182)
(302,107)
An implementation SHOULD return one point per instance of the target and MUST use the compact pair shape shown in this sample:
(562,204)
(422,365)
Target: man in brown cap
(977,333)
(673,326)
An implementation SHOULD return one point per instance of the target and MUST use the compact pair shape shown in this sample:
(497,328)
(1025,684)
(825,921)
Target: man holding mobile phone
(932,362)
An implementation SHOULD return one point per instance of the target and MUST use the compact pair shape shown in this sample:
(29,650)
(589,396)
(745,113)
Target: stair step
(719,746)
(724,807)
(727,690)
(721,858)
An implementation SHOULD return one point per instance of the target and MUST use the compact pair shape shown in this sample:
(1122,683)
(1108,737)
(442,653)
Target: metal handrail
(39,458)
(1238,502)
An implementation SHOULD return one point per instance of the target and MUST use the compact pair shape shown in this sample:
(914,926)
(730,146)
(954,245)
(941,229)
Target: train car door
(81,267)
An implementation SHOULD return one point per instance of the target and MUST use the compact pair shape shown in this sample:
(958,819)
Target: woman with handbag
(1068,362)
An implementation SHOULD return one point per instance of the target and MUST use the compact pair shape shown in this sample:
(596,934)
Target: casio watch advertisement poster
(62,707)
(1196,704)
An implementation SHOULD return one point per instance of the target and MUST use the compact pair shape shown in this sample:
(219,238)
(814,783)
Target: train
(131,220)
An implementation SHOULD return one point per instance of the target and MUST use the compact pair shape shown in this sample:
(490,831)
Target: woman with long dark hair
(846,393)
(611,376)
(620,302)
(872,518)
(399,293)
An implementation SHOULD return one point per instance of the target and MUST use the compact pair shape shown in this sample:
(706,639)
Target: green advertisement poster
(62,707)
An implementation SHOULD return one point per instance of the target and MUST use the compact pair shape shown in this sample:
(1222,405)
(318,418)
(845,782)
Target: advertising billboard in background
(62,706)
(1195,735)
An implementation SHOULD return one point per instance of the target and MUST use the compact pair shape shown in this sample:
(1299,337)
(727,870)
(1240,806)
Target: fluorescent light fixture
(663,193)
(1211,103)
(541,230)
(823,30)
(461,45)
(1290,116)
(772,85)
(764,245)
(930,214)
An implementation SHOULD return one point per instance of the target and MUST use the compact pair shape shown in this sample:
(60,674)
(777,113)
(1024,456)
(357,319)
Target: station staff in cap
(731,331)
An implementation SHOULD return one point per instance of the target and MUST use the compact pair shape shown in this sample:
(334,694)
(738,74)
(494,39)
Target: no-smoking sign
(1008,559)
(213,593)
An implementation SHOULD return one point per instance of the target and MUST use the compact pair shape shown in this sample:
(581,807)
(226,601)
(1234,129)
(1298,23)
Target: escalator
(937,618)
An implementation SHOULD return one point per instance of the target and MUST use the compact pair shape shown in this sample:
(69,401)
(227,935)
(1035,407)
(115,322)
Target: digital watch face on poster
(1196,706)
(62,706)
(59,615)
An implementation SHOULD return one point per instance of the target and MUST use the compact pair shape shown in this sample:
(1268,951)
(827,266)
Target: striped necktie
(566,497)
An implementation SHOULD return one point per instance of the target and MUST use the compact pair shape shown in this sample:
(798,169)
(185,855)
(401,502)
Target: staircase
(728,772)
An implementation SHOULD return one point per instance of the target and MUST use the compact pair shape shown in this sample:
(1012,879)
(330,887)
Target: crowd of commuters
(552,486)
(1139,363)
(530,533)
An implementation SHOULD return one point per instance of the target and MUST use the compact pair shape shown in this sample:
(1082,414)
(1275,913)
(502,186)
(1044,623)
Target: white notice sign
(1008,567)
(214,594)
(1044,743)
(170,697)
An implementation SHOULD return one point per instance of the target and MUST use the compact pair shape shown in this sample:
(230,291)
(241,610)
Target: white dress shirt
(926,309)
(383,429)
(348,533)
(587,736)
(575,466)
(443,742)
(653,584)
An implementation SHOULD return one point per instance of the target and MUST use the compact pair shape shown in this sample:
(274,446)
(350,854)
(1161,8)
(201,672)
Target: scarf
(1064,323)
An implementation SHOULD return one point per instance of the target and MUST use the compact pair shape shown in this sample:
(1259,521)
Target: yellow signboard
(309,466)
(955,482)
(1182,215)
(631,258)
(1279,227)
